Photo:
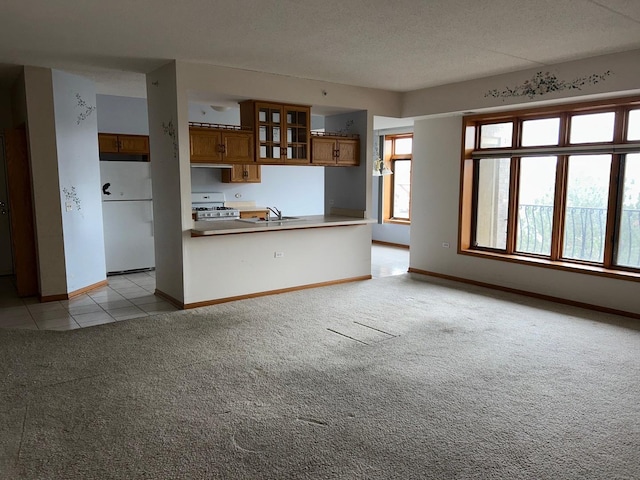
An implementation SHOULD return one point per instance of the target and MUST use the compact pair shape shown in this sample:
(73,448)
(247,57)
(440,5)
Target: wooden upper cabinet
(237,146)
(323,151)
(134,144)
(204,145)
(335,150)
(282,132)
(212,145)
(107,143)
(116,143)
(348,152)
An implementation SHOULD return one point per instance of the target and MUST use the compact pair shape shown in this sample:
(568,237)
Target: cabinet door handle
(336,153)
(245,173)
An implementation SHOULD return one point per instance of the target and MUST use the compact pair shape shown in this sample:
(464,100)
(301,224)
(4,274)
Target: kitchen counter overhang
(228,227)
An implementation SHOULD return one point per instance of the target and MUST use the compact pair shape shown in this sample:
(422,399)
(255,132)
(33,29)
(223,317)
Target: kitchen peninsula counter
(226,227)
(317,250)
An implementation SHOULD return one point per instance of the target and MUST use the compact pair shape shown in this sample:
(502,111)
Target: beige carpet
(388,378)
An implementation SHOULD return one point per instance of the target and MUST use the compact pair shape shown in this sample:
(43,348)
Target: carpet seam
(24,423)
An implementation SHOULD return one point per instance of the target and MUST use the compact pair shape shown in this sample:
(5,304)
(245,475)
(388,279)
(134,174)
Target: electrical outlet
(278,254)
(68,206)
(445,244)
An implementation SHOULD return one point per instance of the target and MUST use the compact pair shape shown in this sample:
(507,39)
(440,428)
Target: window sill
(397,221)
(557,265)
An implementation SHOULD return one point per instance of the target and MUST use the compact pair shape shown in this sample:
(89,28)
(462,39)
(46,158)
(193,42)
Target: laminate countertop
(226,227)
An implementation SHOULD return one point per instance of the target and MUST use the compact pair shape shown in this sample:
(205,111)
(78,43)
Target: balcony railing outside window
(584,233)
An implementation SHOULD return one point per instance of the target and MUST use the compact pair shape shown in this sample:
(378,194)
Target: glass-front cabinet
(282,131)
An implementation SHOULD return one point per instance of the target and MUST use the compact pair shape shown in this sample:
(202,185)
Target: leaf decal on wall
(170,131)
(544,83)
(88,109)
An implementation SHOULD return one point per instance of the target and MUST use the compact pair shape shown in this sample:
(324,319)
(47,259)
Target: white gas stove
(210,206)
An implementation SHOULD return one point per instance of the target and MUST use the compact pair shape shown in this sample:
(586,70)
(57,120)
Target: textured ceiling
(398,45)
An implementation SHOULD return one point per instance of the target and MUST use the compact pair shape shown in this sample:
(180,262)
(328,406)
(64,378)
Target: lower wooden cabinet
(241,174)
(254,214)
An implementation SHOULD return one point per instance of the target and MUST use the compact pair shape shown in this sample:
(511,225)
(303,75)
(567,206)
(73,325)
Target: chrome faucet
(277,212)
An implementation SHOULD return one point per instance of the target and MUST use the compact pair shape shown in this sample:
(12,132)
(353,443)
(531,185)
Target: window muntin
(496,135)
(585,221)
(492,188)
(602,242)
(628,246)
(536,198)
(592,128)
(541,131)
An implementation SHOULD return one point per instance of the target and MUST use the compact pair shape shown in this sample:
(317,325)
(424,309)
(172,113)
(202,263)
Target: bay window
(558,186)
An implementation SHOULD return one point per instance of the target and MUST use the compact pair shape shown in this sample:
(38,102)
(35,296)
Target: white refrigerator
(127,215)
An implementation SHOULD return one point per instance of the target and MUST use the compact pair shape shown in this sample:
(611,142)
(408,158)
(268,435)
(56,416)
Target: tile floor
(387,261)
(127,296)
(131,296)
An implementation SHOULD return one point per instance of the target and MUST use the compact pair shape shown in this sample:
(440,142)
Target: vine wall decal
(72,196)
(170,131)
(544,83)
(88,109)
(347,127)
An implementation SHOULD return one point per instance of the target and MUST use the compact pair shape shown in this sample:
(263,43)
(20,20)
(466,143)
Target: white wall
(63,150)
(245,84)
(437,144)
(202,112)
(293,189)
(79,179)
(622,80)
(349,187)
(122,115)
(169,150)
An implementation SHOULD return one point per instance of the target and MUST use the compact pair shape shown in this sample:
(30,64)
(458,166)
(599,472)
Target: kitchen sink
(271,221)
